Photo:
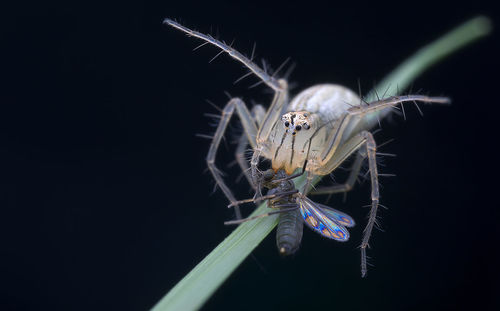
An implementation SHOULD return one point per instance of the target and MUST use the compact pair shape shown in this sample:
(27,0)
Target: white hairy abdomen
(329,101)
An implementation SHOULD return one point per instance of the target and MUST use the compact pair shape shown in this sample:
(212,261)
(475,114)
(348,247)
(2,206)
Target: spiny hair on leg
(219,109)
(235,54)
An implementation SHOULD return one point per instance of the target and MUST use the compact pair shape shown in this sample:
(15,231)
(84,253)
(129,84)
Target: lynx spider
(317,130)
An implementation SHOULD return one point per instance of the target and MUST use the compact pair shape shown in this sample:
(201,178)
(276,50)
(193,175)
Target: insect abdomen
(289,232)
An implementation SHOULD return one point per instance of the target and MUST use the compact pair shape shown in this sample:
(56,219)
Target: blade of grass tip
(199,284)
(401,77)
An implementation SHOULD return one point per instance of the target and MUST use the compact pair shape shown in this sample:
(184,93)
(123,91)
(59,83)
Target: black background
(103,199)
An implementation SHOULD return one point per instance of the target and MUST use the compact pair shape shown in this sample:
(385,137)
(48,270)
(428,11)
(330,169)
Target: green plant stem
(401,77)
(199,284)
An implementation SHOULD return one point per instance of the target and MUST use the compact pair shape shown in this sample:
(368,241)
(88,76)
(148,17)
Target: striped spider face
(296,121)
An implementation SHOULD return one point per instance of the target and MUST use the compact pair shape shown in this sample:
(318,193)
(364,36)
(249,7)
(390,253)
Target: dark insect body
(296,209)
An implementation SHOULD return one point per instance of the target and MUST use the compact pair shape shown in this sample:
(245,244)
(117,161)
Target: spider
(316,130)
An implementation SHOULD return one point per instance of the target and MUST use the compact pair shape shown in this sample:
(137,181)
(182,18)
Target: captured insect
(294,210)
(321,126)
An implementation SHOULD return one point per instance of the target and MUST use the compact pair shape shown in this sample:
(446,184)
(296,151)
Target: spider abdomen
(329,101)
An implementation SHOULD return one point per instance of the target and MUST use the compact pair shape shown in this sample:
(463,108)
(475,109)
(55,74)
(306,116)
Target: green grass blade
(401,77)
(199,284)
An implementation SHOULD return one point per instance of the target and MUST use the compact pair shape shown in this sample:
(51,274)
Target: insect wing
(320,222)
(341,218)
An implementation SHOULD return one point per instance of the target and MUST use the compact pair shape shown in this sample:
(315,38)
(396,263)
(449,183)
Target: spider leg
(250,131)
(265,197)
(241,159)
(351,179)
(280,87)
(263,75)
(273,114)
(371,148)
(364,138)
(258,112)
(351,122)
(282,210)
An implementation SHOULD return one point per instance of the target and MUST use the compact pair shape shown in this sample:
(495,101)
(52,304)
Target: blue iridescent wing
(341,218)
(316,219)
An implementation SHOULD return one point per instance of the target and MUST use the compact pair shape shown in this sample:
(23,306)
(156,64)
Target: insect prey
(295,210)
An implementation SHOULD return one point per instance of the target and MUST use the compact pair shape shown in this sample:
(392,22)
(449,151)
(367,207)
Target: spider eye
(306,126)
(298,128)
(287,124)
